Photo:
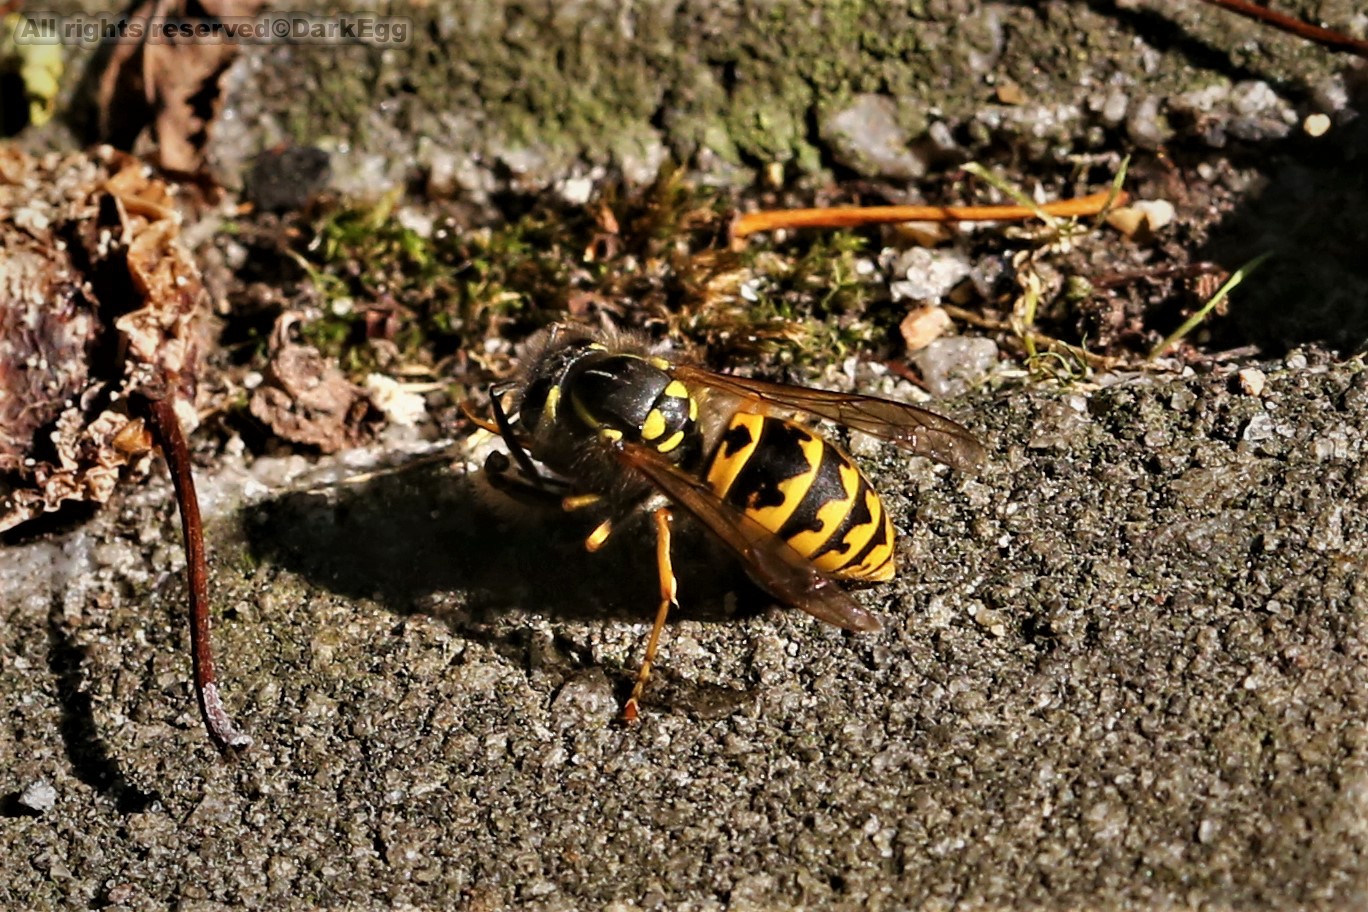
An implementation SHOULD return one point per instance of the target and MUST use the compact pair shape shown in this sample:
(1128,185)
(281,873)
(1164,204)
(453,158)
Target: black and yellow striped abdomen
(808,492)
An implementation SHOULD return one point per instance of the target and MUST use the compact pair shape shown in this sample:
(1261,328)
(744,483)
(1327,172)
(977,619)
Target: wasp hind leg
(668,600)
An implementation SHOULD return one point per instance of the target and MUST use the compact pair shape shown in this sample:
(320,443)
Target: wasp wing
(924,433)
(769,560)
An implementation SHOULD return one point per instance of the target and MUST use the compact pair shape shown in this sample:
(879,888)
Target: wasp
(598,423)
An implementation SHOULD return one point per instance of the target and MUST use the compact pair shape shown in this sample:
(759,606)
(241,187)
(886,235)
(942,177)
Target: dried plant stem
(854,216)
(1336,41)
(166,430)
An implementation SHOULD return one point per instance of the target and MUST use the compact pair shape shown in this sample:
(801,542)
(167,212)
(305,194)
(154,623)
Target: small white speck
(1251,381)
(577,190)
(39,796)
(1316,125)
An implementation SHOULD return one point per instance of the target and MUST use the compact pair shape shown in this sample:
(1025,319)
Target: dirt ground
(1122,668)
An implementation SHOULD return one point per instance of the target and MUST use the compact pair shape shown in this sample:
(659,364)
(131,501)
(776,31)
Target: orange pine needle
(855,216)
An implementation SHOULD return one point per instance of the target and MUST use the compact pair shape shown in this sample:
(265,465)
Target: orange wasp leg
(579,501)
(668,600)
(599,537)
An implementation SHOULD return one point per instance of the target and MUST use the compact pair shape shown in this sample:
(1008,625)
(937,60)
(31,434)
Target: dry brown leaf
(171,85)
(98,301)
(307,400)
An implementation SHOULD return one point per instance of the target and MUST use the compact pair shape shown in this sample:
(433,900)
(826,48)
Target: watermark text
(268,28)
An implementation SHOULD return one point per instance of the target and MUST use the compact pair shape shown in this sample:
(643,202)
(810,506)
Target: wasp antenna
(510,439)
(468,409)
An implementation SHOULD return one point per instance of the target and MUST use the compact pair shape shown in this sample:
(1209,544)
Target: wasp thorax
(626,396)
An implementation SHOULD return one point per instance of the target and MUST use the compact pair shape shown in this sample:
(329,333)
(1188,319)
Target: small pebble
(584,699)
(1251,381)
(922,326)
(576,191)
(401,406)
(39,797)
(869,136)
(923,234)
(951,365)
(1142,218)
(927,275)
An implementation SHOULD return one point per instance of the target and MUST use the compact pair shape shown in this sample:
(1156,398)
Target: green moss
(641,258)
(747,82)
(743,82)
(803,304)
(428,295)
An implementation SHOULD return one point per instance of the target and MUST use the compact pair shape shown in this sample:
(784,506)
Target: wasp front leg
(668,600)
(512,482)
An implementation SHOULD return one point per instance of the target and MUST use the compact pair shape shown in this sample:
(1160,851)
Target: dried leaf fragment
(98,298)
(306,398)
(171,85)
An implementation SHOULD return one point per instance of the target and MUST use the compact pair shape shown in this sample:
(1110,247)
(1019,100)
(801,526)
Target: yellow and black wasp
(597,422)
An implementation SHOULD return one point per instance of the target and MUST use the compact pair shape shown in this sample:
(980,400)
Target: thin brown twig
(166,430)
(1093,359)
(974,319)
(1336,41)
(854,216)
(1156,274)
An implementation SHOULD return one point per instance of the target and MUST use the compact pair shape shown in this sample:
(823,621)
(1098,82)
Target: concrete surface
(1122,669)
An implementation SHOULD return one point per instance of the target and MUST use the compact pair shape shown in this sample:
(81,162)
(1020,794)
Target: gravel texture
(1121,669)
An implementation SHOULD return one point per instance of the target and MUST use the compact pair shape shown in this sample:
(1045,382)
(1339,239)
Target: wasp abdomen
(808,492)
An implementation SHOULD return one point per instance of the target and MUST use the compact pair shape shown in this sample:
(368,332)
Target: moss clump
(422,295)
(655,259)
(804,303)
